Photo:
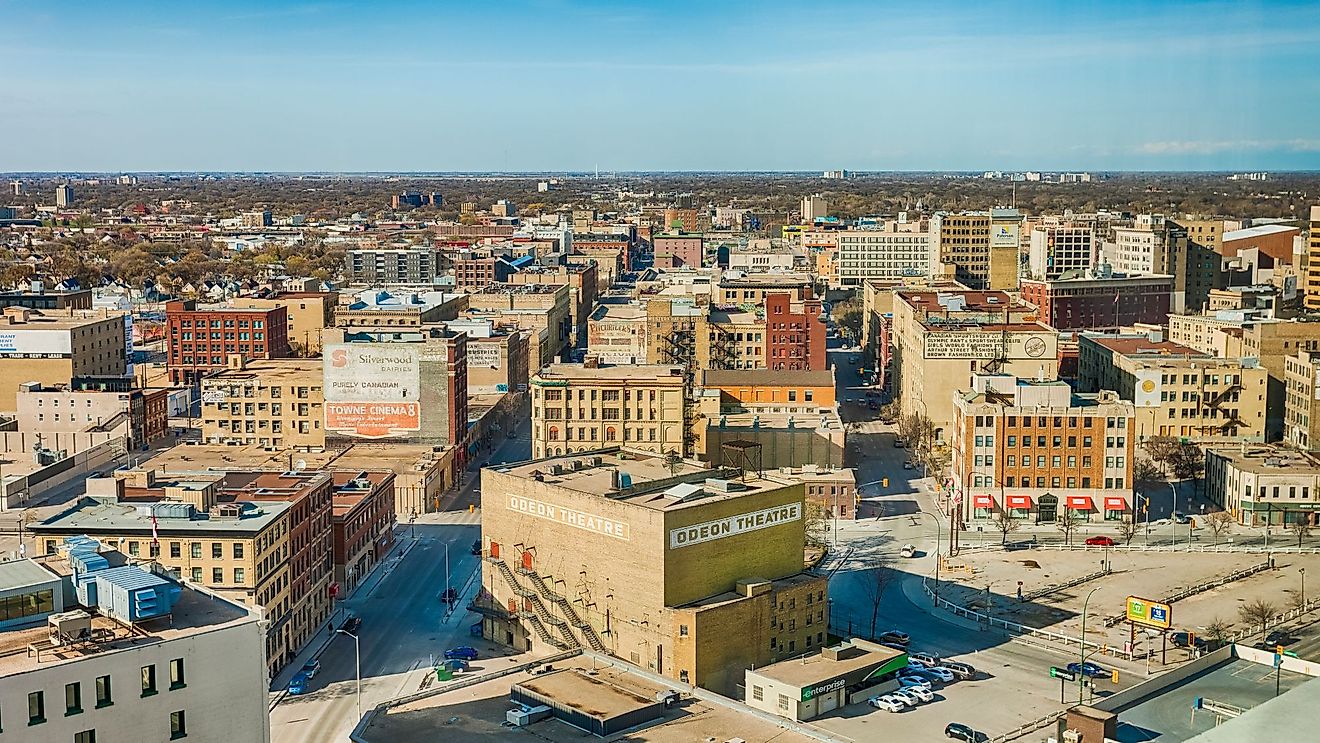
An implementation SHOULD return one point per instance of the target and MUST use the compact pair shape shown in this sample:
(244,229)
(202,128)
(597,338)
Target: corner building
(689,572)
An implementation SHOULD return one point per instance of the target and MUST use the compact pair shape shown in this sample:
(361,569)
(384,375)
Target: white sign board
(973,344)
(708,531)
(213,396)
(1148,389)
(569,517)
(36,344)
(358,372)
(483,354)
(1003,235)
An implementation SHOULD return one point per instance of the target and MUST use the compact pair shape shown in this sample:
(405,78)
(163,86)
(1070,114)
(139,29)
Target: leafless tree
(1180,459)
(1259,612)
(872,580)
(1302,530)
(1006,523)
(1218,632)
(1067,522)
(1128,528)
(1219,523)
(817,525)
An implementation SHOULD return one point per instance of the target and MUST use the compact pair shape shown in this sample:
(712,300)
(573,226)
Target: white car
(922,660)
(941,673)
(914,682)
(905,697)
(922,693)
(886,703)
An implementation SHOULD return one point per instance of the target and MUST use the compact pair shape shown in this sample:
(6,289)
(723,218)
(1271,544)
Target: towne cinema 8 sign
(372,390)
(1149,613)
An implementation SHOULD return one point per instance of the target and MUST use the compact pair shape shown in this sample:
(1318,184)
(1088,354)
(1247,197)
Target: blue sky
(713,85)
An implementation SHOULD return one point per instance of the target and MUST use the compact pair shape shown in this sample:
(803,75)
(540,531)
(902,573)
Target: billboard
(1148,389)
(973,344)
(372,390)
(36,344)
(1149,613)
(1003,235)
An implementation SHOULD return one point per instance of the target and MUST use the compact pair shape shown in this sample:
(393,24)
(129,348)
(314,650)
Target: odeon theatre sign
(707,531)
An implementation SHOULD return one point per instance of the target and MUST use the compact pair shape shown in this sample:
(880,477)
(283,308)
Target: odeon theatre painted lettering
(707,531)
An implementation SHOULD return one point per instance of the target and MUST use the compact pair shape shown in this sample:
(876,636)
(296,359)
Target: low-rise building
(363,519)
(1177,390)
(617,333)
(691,573)
(1036,451)
(309,313)
(88,405)
(895,250)
(54,347)
(582,407)
(201,339)
(391,311)
(275,403)
(544,310)
(1094,302)
(1264,485)
(805,688)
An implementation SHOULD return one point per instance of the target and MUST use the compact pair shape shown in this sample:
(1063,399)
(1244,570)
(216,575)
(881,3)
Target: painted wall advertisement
(1148,389)
(36,344)
(686,536)
(971,344)
(372,390)
(1003,235)
(569,517)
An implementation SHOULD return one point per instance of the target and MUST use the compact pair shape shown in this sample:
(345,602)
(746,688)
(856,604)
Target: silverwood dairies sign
(726,527)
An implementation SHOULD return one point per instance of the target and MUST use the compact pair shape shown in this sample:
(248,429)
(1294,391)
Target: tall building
(377,266)
(695,574)
(1153,244)
(582,407)
(898,249)
(505,208)
(1005,248)
(173,661)
(54,348)
(255,219)
(1058,249)
(1301,419)
(814,207)
(795,333)
(201,339)
(1311,292)
(64,195)
(981,248)
(1035,449)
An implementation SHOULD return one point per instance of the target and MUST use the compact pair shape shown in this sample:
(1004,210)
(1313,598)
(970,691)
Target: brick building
(363,519)
(200,339)
(795,332)
(1094,303)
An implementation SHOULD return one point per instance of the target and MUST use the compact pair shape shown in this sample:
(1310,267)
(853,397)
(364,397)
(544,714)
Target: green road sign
(1062,673)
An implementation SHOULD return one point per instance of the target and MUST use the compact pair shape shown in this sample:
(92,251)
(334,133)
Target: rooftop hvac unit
(668,697)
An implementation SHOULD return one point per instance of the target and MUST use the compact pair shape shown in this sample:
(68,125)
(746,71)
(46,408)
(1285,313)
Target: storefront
(805,688)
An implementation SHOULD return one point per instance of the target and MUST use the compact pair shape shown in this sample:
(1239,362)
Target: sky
(559,85)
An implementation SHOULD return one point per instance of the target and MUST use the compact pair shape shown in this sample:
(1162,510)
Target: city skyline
(554,86)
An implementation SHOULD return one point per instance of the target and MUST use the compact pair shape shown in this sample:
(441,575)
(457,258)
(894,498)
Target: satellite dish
(300,465)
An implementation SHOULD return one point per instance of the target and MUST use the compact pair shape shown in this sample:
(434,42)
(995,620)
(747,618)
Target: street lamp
(1302,572)
(412,524)
(357,667)
(1081,669)
(939,530)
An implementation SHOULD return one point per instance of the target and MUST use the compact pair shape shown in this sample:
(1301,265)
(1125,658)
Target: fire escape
(678,346)
(1231,422)
(530,606)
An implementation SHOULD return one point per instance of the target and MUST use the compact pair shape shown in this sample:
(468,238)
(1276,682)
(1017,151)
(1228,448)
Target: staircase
(540,615)
(566,608)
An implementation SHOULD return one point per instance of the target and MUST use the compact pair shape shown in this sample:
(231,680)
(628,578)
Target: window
(176,674)
(174,550)
(682,630)
(217,575)
(196,575)
(73,699)
(103,695)
(784,701)
(86,736)
(36,708)
(178,725)
(148,680)
(238,550)
(239,576)
(195,549)
(217,550)
(758,693)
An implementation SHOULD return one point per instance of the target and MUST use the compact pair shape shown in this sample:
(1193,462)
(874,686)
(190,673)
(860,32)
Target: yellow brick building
(271,402)
(580,407)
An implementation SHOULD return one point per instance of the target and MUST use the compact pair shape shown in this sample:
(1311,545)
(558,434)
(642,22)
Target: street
(404,622)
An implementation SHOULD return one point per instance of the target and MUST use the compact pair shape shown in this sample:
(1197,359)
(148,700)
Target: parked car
(1087,669)
(298,684)
(463,651)
(907,465)
(1101,541)
(922,693)
(907,550)
(959,731)
(476,547)
(898,443)
(895,646)
(911,700)
(914,682)
(1186,639)
(961,670)
(310,669)
(1181,518)
(942,673)
(925,673)
(885,703)
(922,660)
(352,625)
(897,637)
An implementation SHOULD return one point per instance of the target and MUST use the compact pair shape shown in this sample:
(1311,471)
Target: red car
(1101,542)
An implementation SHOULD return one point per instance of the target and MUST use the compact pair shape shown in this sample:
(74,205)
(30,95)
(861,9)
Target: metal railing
(1116,619)
(1047,590)
(1029,727)
(1021,632)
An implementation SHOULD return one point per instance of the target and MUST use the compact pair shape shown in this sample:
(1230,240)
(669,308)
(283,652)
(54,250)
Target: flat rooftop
(477,712)
(656,484)
(271,370)
(1260,231)
(973,301)
(815,668)
(1262,459)
(23,573)
(640,372)
(767,377)
(1142,346)
(92,516)
(62,321)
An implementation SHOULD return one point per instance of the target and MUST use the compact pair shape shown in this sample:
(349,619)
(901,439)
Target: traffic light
(1278,649)
(1114,677)
(884,482)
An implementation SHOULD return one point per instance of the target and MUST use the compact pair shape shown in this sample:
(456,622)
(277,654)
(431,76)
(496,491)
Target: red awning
(1080,503)
(1019,501)
(1115,503)
(983,501)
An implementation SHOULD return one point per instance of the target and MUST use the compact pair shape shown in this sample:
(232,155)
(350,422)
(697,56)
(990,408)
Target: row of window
(1013,481)
(228,323)
(73,700)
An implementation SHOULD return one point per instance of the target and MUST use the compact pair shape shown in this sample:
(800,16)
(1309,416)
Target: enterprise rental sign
(711,530)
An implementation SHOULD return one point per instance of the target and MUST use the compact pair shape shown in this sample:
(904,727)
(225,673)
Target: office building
(255,219)
(269,402)
(676,249)
(173,662)
(1033,450)
(415,200)
(201,339)
(1264,485)
(1092,302)
(391,266)
(256,538)
(899,249)
(64,195)
(981,248)
(110,406)
(1301,418)
(309,314)
(813,208)
(53,348)
(1271,344)
(1177,391)
(504,208)
(1311,289)
(582,407)
(1057,250)
(694,574)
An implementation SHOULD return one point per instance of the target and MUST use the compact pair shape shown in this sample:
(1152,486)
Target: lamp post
(938,536)
(357,667)
(1081,670)
(1302,572)
(412,525)
(446,569)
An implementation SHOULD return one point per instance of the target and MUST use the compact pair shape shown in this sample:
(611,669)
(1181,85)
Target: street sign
(1062,673)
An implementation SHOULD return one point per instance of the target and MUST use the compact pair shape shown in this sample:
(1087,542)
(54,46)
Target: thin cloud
(1215,147)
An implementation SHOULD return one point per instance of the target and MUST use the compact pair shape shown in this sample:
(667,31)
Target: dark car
(450,595)
(1186,640)
(463,651)
(476,547)
(1101,541)
(961,670)
(1278,637)
(1181,517)
(959,731)
(895,636)
(1088,669)
(352,625)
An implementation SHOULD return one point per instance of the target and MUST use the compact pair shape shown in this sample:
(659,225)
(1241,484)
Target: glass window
(36,708)
(72,699)
(176,674)
(148,680)
(178,726)
(104,697)
(86,736)
(195,549)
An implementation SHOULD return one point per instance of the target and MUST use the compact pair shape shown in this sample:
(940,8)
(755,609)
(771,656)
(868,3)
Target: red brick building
(796,333)
(473,273)
(200,339)
(1092,304)
(679,249)
(363,521)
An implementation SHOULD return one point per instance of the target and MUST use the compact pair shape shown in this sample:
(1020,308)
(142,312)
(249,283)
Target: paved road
(403,621)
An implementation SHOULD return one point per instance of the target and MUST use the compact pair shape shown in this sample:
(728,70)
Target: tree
(1128,528)
(848,315)
(1218,632)
(1006,523)
(673,461)
(817,527)
(1180,459)
(1067,523)
(1258,612)
(872,581)
(1300,528)
(1219,523)
(1146,473)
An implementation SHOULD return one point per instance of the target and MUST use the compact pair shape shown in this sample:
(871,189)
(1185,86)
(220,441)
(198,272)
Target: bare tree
(1302,529)
(1180,459)
(1258,612)
(817,526)
(1128,528)
(872,580)
(1219,523)
(1218,632)
(1067,522)
(1146,472)
(1006,523)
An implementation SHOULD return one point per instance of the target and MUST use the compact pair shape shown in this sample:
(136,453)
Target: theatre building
(693,573)
(1037,450)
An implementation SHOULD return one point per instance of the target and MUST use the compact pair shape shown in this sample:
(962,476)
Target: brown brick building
(201,338)
(363,519)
